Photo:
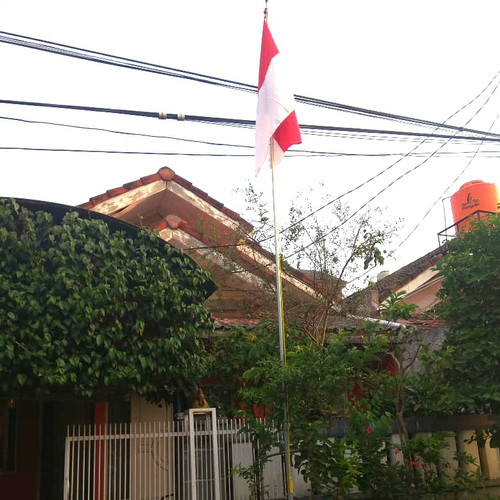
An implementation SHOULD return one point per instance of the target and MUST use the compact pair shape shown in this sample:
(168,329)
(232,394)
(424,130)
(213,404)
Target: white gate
(193,459)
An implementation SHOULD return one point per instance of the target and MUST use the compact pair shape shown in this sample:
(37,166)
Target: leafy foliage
(396,308)
(470,305)
(84,310)
(366,382)
(373,380)
(335,247)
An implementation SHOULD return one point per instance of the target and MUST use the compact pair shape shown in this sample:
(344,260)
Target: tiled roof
(175,222)
(399,278)
(422,323)
(165,174)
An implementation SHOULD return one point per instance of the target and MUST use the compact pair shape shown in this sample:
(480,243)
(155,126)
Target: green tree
(470,306)
(335,248)
(322,382)
(367,380)
(85,311)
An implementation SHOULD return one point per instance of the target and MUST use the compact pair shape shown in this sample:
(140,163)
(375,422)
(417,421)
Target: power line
(398,178)
(122,132)
(244,123)
(475,154)
(485,136)
(107,151)
(312,154)
(301,153)
(109,59)
(461,173)
(398,161)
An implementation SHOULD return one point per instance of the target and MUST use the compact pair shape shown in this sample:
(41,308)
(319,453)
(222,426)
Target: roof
(165,174)
(175,221)
(398,279)
(218,238)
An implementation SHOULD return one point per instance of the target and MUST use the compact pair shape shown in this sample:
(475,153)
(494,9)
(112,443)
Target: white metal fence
(193,459)
(197,459)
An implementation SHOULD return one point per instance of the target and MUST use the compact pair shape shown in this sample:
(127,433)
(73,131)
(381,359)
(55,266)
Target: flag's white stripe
(275,103)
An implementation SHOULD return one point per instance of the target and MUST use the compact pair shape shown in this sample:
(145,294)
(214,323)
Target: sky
(425,59)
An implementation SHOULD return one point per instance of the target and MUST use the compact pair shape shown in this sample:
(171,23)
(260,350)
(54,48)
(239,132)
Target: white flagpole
(281,330)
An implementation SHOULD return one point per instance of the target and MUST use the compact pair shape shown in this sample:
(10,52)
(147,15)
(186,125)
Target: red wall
(22,484)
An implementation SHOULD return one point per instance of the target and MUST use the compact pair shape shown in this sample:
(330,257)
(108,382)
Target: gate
(192,459)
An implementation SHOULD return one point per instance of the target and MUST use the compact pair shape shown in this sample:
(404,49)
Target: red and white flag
(276,125)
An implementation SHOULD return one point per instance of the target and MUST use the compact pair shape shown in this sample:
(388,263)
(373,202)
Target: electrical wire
(441,196)
(104,58)
(108,151)
(402,158)
(248,123)
(305,128)
(461,173)
(63,50)
(123,62)
(301,153)
(122,132)
(492,155)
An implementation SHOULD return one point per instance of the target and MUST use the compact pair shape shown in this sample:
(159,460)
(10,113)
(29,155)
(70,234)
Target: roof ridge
(165,174)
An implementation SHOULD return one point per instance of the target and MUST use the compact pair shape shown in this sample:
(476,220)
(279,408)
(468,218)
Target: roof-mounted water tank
(471,197)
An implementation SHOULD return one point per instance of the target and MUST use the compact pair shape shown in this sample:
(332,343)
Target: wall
(23,484)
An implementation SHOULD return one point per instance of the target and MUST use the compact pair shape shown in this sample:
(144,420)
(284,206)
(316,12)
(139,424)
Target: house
(216,237)
(218,240)
(420,279)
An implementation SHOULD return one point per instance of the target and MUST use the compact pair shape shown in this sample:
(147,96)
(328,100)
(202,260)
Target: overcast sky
(424,59)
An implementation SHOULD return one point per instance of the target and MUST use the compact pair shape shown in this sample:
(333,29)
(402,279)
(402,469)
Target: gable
(217,238)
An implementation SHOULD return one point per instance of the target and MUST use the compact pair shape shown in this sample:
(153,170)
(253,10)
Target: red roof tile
(166,174)
(116,192)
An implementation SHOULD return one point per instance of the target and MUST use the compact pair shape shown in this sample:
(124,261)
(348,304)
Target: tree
(370,379)
(335,248)
(85,311)
(470,306)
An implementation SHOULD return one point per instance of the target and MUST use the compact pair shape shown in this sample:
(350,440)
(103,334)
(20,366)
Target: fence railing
(192,459)
(198,458)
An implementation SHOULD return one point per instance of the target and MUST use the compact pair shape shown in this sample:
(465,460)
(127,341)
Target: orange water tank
(471,197)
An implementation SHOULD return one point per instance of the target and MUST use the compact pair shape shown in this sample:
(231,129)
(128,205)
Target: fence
(197,458)
(193,459)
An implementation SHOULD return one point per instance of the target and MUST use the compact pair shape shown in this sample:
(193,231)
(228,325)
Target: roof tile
(151,178)
(133,184)
(403,276)
(99,198)
(116,191)
(166,174)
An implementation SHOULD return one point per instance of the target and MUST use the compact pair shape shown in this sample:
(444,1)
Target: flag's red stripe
(268,51)
(288,132)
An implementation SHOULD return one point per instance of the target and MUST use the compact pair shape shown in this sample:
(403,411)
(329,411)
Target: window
(8,435)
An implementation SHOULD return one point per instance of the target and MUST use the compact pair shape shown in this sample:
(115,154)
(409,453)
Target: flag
(276,125)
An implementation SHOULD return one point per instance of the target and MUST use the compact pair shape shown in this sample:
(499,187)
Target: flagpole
(281,331)
(277,127)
